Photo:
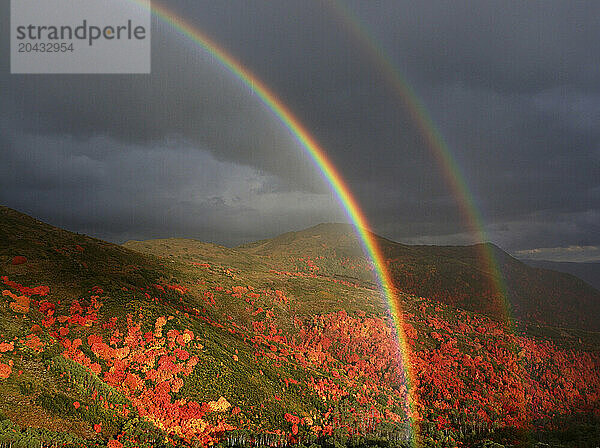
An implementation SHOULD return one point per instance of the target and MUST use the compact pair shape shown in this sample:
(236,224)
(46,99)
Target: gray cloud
(514,89)
(145,192)
(570,253)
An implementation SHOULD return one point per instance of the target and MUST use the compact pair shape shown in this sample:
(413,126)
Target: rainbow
(452,173)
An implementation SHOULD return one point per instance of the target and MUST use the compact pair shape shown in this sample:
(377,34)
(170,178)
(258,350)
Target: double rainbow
(332,176)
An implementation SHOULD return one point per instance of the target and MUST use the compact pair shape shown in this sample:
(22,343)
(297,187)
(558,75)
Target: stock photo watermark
(83,36)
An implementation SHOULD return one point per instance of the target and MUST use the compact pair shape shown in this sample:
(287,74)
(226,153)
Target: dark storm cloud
(188,97)
(141,192)
(501,46)
(513,87)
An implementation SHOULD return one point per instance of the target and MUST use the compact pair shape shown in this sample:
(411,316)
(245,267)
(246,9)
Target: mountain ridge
(458,275)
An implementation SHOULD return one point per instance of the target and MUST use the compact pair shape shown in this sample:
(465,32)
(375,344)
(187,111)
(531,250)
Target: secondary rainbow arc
(434,140)
(327,169)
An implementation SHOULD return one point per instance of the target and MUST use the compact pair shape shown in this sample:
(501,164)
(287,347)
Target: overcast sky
(189,151)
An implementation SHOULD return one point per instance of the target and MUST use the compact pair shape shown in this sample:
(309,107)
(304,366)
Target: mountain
(284,342)
(456,275)
(588,272)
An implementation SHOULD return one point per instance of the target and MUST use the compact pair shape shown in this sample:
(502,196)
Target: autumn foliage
(446,372)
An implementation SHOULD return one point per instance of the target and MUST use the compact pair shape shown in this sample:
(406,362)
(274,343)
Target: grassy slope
(310,294)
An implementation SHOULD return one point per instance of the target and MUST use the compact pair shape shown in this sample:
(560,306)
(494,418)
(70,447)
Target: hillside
(455,275)
(181,343)
(72,262)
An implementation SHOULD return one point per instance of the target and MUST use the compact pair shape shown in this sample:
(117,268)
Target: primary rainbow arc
(327,169)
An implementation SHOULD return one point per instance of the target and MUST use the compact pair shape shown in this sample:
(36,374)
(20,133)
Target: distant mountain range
(588,272)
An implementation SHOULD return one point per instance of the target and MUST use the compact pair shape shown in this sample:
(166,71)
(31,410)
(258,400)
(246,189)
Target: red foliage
(34,342)
(113,443)
(6,347)
(5,370)
(38,290)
